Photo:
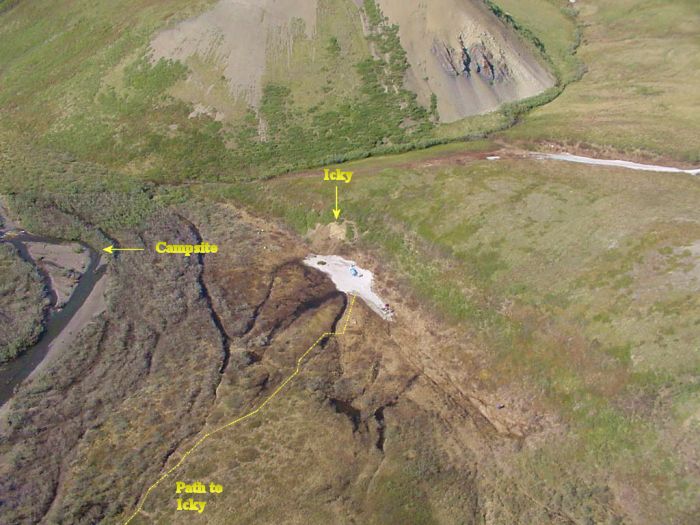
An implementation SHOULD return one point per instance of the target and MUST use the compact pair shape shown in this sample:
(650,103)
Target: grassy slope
(640,92)
(596,269)
(54,61)
(555,27)
(103,102)
(319,70)
(605,348)
(550,31)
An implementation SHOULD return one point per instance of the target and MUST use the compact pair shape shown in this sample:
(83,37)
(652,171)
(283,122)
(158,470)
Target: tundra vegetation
(574,288)
(22,303)
(577,282)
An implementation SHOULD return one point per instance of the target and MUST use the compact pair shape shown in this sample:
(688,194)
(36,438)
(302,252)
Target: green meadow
(580,284)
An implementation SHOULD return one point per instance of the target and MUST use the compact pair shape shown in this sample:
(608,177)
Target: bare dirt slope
(457,50)
(380,427)
(462,53)
(360,436)
(238,36)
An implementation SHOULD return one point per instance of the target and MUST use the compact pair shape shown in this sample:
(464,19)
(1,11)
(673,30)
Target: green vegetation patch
(551,28)
(59,196)
(379,114)
(22,303)
(574,282)
(103,100)
(653,46)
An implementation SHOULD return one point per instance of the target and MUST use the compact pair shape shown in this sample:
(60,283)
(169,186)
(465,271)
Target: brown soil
(186,345)
(63,263)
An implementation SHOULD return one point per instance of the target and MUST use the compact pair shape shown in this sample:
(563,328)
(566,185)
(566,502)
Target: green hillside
(77,79)
(639,92)
(559,301)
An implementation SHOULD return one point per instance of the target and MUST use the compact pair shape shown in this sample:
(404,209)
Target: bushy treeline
(22,303)
(57,195)
(382,117)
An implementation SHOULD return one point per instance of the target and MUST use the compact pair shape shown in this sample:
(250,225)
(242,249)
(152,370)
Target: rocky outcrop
(462,53)
(475,59)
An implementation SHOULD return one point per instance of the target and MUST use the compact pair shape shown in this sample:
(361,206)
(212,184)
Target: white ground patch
(567,157)
(237,35)
(341,273)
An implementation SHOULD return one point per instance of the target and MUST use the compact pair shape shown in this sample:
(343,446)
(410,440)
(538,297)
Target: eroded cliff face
(457,49)
(465,55)
(381,425)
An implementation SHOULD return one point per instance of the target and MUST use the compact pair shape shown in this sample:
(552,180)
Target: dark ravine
(381,428)
(341,313)
(273,277)
(256,311)
(346,408)
(216,319)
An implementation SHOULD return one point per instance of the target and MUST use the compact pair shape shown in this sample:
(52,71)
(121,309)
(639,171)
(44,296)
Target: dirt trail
(505,152)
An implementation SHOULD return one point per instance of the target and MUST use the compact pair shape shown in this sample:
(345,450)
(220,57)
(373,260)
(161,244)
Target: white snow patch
(567,157)
(341,273)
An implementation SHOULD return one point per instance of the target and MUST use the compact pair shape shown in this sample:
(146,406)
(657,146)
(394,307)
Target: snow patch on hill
(351,279)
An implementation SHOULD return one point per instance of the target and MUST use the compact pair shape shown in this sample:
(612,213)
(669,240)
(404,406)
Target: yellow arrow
(110,249)
(336,211)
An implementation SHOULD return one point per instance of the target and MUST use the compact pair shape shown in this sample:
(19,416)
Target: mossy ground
(577,282)
(23,303)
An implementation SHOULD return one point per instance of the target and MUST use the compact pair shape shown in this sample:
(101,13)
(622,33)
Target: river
(17,370)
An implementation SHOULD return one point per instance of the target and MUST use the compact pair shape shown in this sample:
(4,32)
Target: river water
(14,372)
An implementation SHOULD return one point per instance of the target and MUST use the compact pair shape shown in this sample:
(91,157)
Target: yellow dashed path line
(242,418)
